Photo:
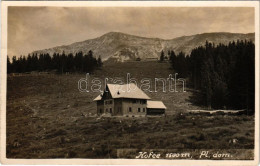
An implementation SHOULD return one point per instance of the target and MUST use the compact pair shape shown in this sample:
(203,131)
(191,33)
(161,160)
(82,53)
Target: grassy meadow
(47,117)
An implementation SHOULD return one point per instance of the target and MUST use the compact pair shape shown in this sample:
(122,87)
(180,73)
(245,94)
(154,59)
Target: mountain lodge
(127,100)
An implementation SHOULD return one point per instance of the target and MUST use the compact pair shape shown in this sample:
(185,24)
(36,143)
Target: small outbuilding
(155,107)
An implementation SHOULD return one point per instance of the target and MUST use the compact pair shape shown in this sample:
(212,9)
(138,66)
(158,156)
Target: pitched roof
(98,98)
(155,104)
(125,91)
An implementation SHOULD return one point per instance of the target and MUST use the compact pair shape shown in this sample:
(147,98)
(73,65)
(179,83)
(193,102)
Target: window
(143,102)
(110,110)
(136,101)
(143,109)
(100,110)
(108,102)
(130,109)
(106,110)
(139,109)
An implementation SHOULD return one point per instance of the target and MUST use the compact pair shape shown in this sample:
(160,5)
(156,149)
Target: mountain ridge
(123,46)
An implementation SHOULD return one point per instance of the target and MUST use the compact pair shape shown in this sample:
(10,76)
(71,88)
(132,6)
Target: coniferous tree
(29,63)
(100,63)
(206,84)
(172,56)
(9,66)
(162,56)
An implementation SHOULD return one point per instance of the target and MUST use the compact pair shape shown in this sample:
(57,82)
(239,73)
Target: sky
(36,28)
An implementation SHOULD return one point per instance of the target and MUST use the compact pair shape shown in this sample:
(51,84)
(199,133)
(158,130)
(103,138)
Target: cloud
(34,28)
